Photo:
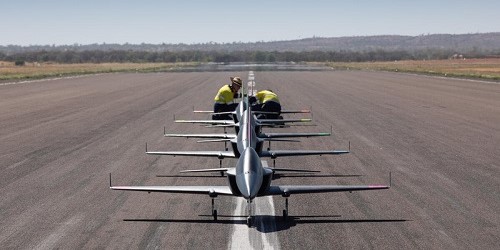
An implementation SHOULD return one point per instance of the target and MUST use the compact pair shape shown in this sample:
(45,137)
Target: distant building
(457,56)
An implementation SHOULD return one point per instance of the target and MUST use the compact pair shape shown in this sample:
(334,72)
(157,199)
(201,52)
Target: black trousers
(218,107)
(269,106)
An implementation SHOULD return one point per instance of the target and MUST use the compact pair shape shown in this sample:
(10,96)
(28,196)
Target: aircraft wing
(278,139)
(306,189)
(282,112)
(279,153)
(214,136)
(209,190)
(214,140)
(287,135)
(218,154)
(213,122)
(206,170)
(203,111)
(293,170)
(274,121)
(212,112)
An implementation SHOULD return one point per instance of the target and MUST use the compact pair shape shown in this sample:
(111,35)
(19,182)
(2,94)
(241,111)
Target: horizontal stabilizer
(294,170)
(218,154)
(280,153)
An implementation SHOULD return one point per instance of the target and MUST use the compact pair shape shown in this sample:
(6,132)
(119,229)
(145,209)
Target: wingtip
(390,179)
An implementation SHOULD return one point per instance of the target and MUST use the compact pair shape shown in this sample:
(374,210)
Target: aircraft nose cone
(252,191)
(249,174)
(246,192)
(249,187)
(252,186)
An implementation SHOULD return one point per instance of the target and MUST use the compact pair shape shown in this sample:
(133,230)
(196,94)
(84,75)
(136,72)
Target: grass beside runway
(485,69)
(34,70)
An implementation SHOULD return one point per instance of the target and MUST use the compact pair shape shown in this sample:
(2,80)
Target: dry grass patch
(8,71)
(469,68)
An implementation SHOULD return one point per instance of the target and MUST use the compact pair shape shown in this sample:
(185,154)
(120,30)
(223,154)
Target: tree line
(130,56)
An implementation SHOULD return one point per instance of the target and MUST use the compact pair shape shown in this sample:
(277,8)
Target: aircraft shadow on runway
(271,223)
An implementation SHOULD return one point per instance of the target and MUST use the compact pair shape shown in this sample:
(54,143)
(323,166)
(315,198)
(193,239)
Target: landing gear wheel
(214,213)
(249,221)
(220,166)
(285,211)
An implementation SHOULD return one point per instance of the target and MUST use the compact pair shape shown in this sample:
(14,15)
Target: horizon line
(241,42)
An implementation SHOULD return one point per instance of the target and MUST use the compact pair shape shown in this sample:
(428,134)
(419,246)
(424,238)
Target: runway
(440,138)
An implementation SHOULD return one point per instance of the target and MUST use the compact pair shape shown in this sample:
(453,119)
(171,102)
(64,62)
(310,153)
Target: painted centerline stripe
(262,234)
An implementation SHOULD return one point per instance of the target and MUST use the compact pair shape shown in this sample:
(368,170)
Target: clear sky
(60,22)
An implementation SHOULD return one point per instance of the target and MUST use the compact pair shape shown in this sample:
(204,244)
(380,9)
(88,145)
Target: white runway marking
(262,235)
(46,79)
(251,83)
(58,234)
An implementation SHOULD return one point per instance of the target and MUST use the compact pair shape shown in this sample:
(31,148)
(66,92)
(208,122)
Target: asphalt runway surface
(440,138)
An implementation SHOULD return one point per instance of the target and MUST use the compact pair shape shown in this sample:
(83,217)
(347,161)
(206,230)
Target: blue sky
(59,22)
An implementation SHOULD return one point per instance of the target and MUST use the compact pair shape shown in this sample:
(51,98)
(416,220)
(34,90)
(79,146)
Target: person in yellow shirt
(266,100)
(224,100)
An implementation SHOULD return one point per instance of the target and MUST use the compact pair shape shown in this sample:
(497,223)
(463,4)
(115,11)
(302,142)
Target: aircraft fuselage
(249,179)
